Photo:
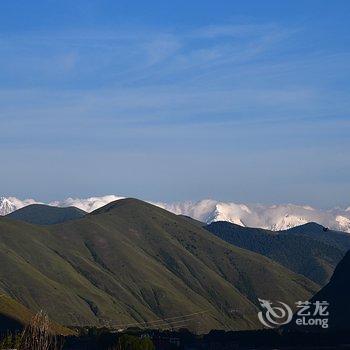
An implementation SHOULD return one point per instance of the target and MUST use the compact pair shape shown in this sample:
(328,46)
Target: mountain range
(133,263)
(309,249)
(274,218)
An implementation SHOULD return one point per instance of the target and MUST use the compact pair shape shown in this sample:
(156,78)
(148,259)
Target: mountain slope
(133,262)
(193,221)
(336,293)
(41,214)
(300,253)
(313,230)
(14,317)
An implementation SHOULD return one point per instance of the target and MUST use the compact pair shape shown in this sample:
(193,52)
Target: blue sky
(235,100)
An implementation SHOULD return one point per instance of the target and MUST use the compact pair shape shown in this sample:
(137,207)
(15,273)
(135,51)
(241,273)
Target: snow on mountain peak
(6,206)
(227,212)
(10,204)
(288,221)
(273,217)
(343,222)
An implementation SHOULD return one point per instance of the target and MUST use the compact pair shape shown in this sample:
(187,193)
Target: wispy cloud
(232,97)
(236,69)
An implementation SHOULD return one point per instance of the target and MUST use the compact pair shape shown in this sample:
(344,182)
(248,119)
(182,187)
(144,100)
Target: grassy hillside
(301,253)
(193,221)
(130,262)
(14,317)
(41,214)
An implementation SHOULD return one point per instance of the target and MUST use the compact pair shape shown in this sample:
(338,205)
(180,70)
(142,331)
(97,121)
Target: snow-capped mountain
(276,217)
(6,206)
(10,204)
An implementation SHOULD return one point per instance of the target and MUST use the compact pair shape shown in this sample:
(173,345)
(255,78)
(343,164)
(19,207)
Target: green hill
(193,221)
(14,317)
(302,253)
(41,214)
(133,263)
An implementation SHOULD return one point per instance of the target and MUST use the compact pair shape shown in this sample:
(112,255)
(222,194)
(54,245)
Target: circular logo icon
(275,314)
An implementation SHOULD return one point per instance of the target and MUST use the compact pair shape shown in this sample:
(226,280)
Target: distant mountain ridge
(309,249)
(313,230)
(275,217)
(41,214)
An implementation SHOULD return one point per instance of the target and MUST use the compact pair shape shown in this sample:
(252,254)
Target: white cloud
(22,203)
(275,217)
(343,222)
(87,204)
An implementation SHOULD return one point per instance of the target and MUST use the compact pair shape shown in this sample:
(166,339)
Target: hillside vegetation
(302,253)
(131,263)
(41,214)
(14,317)
(313,230)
